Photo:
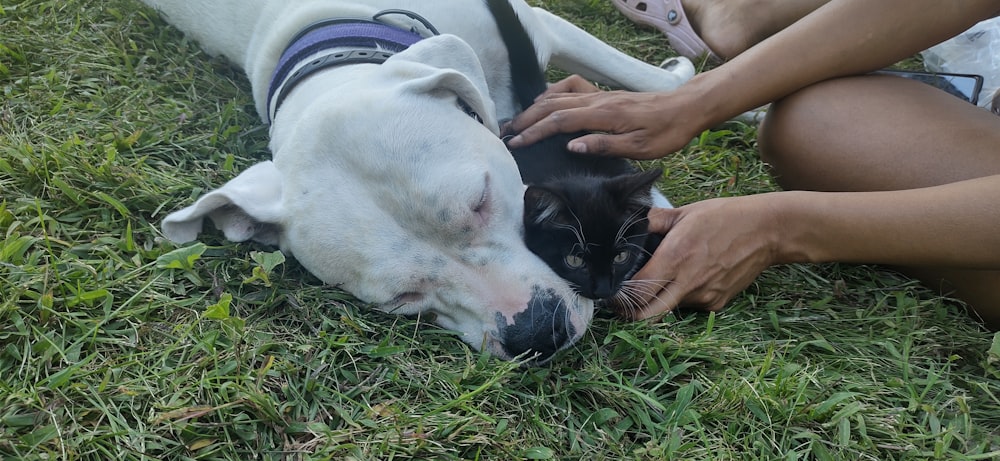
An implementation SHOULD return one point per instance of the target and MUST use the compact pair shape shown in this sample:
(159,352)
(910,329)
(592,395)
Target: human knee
(797,130)
(780,132)
(978,289)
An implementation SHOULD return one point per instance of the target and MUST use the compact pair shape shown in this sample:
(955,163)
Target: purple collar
(363,40)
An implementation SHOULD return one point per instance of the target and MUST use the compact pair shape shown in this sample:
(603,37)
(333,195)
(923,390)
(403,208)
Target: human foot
(667,16)
(723,28)
(726,27)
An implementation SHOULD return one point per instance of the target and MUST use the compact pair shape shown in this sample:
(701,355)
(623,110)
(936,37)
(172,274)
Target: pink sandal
(668,16)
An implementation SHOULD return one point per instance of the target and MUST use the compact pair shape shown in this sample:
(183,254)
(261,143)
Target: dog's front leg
(576,51)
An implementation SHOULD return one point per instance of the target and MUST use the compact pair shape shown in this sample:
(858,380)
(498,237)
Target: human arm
(843,37)
(715,248)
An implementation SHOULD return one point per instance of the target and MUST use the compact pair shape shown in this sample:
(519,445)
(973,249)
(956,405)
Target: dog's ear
(445,62)
(248,207)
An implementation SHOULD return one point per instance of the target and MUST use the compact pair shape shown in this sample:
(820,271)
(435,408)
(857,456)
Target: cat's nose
(602,289)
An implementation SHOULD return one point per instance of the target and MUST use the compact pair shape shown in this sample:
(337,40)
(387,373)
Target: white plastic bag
(975,51)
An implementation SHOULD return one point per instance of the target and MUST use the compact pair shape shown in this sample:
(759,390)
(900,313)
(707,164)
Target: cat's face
(597,269)
(591,231)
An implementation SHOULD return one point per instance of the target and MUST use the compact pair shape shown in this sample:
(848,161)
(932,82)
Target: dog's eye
(469,111)
(481,207)
(410,297)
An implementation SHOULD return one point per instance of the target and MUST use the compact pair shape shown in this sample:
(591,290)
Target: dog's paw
(680,66)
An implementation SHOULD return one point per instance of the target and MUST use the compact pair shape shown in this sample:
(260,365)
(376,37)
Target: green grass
(115,344)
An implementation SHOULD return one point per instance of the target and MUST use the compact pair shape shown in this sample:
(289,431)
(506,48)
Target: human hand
(712,250)
(625,124)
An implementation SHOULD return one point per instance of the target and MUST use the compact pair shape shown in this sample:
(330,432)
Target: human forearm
(715,248)
(954,225)
(843,37)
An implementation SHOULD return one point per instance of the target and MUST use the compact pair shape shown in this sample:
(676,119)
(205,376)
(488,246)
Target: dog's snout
(542,329)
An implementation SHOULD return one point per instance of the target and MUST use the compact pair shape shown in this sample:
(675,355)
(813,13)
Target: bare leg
(729,27)
(886,133)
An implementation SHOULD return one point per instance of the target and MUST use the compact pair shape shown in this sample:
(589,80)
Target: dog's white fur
(382,185)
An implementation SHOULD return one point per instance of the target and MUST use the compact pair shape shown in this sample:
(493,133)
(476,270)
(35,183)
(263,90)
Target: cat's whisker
(579,226)
(633,219)
(641,248)
(567,323)
(628,299)
(577,232)
(646,286)
(575,287)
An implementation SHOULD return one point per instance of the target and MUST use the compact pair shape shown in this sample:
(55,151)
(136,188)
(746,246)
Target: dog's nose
(543,328)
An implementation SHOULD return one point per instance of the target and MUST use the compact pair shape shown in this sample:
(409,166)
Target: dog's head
(396,188)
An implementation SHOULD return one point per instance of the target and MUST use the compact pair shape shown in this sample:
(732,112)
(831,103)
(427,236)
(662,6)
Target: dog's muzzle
(541,330)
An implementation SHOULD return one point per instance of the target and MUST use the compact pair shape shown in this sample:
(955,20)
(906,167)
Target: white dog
(388,177)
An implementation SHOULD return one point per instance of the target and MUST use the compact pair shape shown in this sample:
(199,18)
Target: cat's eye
(621,257)
(573,261)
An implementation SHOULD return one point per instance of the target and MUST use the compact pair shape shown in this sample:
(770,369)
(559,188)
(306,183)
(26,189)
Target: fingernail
(515,141)
(577,147)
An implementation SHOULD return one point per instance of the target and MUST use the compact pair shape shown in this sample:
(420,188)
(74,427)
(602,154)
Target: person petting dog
(874,168)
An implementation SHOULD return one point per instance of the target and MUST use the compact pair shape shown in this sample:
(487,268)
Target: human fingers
(660,292)
(680,294)
(640,126)
(635,145)
(662,297)
(565,113)
(604,116)
(712,250)
(652,292)
(572,84)
(672,280)
(660,220)
(565,89)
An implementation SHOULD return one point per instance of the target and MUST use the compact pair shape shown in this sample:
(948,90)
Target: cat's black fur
(584,215)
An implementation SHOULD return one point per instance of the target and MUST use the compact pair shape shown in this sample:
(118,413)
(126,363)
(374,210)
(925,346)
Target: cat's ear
(542,204)
(635,190)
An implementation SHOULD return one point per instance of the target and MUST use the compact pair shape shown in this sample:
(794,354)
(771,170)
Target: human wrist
(711,90)
(796,234)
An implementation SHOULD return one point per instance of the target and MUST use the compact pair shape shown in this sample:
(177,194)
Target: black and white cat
(584,215)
